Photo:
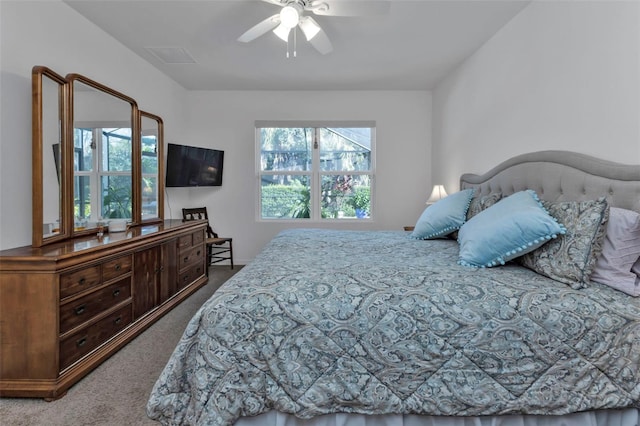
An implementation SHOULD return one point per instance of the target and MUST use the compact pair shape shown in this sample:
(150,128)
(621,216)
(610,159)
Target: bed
(329,327)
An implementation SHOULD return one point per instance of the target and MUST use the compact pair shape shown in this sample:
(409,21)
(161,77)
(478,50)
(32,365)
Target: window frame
(315,174)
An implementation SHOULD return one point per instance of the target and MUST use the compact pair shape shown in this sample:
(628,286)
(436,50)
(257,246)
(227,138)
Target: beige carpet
(116,392)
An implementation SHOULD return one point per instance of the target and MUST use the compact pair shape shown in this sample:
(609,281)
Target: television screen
(193,166)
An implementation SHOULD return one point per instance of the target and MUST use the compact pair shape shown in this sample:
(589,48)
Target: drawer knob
(116,292)
(117,267)
(117,320)
(81,342)
(82,280)
(198,253)
(80,310)
(186,259)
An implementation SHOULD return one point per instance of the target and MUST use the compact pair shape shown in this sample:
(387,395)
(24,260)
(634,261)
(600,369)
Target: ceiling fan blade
(276,2)
(260,28)
(349,7)
(321,42)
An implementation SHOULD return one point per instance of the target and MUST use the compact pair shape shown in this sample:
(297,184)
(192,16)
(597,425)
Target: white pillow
(620,253)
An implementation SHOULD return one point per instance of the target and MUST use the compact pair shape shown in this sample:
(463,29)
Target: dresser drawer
(78,281)
(190,256)
(116,267)
(191,240)
(84,341)
(190,275)
(78,311)
(185,241)
(197,238)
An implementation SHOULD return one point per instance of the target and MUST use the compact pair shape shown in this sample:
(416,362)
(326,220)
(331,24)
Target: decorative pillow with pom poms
(515,225)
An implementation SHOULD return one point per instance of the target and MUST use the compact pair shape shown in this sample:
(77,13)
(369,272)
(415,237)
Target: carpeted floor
(116,392)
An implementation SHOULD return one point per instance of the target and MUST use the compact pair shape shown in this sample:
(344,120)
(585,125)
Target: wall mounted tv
(193,166)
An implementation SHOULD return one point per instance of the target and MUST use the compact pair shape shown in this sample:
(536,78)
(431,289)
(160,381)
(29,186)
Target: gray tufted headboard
(562,175)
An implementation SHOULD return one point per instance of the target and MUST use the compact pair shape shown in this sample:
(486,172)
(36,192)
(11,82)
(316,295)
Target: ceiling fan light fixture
(309,27)
(282,31)
(290,16)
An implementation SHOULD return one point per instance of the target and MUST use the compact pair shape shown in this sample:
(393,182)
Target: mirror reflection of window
(102,157)
(150,170)
(149,174)
(115,173)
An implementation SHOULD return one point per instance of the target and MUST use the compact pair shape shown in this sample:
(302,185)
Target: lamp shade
(309,27)
(282,32)
(437,194)
(290,15)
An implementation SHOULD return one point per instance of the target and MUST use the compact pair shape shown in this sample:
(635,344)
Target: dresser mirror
(104,134)
(48,159)
(96,158)
(152,147)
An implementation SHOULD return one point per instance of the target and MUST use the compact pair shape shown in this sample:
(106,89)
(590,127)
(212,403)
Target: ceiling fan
(292,15)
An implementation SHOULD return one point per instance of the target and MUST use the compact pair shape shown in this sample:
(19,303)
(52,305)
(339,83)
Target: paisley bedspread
(374,322)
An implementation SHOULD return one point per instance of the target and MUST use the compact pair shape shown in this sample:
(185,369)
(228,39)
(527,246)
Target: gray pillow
(571,258)
(478,204)
(482,202)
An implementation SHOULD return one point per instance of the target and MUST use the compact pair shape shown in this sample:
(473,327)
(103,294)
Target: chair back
(198,213)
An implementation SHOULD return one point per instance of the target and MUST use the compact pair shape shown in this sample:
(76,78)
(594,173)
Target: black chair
(218,248)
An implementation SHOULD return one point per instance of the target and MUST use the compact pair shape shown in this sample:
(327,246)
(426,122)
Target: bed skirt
(623,417)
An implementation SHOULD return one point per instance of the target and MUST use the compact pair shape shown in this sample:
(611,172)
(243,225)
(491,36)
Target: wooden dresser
(65,308)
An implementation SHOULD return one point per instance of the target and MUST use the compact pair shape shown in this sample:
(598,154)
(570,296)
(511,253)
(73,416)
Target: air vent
(172,55)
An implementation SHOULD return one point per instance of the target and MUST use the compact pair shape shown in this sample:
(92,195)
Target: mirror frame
(135,149)
(66,117)
(137,208)
(37,156)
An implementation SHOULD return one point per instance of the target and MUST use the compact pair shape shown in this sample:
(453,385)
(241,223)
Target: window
(102,173)
(315,173)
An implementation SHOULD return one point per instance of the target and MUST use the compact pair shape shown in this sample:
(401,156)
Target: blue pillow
(510,228)
(443,217)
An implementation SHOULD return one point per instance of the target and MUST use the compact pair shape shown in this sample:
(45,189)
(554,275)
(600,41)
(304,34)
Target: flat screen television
(193,166)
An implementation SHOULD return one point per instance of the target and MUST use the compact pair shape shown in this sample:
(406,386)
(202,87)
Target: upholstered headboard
(562,175)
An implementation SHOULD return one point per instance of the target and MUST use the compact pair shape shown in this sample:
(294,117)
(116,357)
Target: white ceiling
(410,48)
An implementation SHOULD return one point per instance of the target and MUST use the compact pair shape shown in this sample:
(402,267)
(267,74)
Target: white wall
(225,120)
(560,75)
(52,34)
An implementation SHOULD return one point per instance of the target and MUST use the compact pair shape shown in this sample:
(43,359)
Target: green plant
(117,203)
(302,207)
(361,199)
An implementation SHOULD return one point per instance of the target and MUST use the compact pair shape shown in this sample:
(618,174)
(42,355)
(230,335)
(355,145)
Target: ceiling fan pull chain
(295,41)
